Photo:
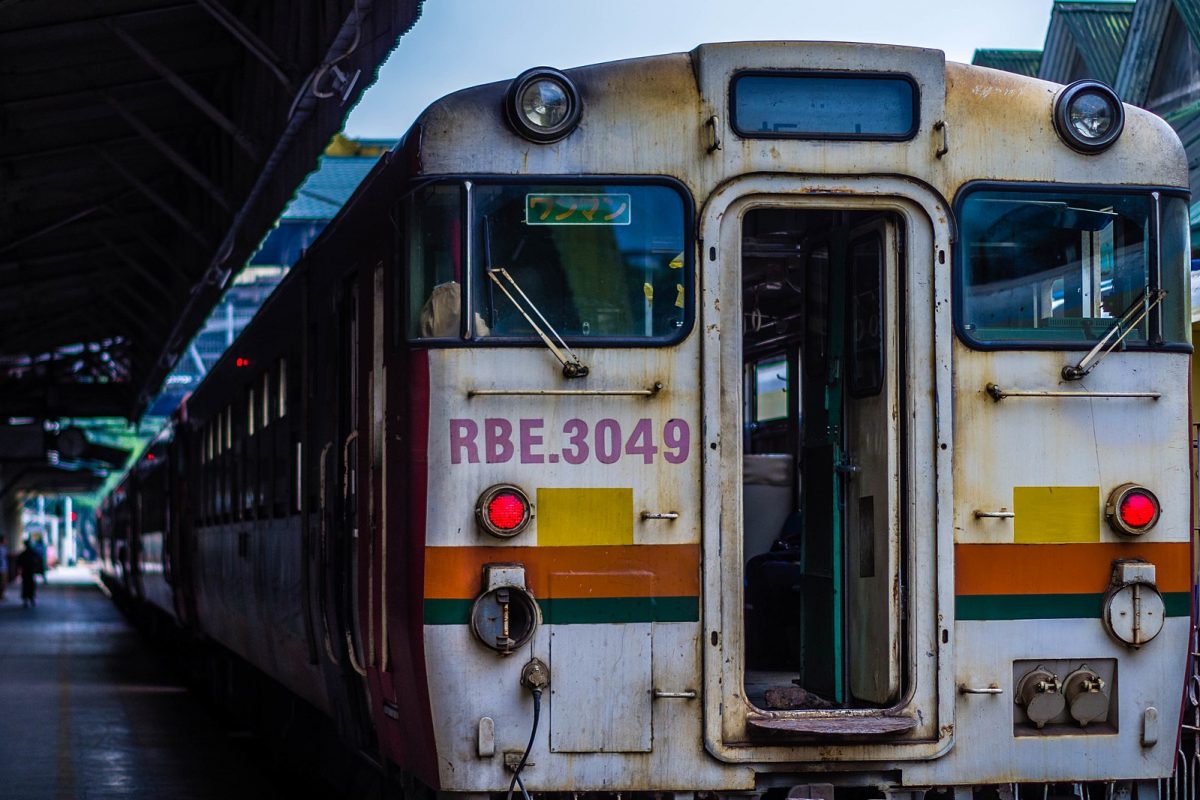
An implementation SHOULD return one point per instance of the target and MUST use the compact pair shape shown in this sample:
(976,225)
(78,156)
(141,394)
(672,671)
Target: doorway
(822,545)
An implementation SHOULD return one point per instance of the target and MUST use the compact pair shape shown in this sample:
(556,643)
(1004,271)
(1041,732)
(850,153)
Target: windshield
(597,263)
(1055,267)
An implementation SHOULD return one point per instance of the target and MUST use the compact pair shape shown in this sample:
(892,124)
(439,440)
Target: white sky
(460,43)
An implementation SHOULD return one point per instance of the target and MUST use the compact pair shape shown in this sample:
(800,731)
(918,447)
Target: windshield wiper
(1125,325)
(572,366)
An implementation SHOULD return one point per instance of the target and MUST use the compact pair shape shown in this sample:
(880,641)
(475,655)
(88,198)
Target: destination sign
(578,209)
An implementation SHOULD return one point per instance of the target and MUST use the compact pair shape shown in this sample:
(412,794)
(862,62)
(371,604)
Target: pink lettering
(531,437)
(498,440)
(462,440)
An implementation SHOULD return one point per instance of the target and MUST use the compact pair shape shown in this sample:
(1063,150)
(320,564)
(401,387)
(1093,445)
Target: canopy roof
(146,146)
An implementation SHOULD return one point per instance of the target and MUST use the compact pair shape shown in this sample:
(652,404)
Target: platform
(89,710)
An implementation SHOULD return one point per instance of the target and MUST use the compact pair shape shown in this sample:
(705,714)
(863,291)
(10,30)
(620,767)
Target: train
(778,419)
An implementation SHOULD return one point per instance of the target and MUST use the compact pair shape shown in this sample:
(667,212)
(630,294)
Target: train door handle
(346,470)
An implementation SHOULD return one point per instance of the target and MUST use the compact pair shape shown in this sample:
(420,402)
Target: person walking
(29,564)
(39,546)
(3,565)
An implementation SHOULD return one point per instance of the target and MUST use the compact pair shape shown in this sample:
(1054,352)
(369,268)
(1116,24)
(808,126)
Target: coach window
(266,398)
(1062,268)
(281,412)
(250,411)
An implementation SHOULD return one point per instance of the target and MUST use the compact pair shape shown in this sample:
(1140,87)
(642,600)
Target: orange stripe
(646,570)
(1077,568)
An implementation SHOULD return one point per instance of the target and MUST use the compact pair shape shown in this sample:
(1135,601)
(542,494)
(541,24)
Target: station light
(1088,116)
(503,510)
(542,105)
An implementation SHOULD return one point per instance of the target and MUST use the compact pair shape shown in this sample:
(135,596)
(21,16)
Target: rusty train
(794,419)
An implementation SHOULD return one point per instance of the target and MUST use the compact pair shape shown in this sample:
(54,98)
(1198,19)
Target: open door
(822,548)
(871,471)
(825,300)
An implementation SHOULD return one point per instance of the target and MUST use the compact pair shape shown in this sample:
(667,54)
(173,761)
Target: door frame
(928,235)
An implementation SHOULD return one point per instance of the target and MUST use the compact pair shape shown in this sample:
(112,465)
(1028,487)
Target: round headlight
(1088,116)
(542,105)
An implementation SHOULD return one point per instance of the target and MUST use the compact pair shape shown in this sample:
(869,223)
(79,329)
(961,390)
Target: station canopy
(146,147)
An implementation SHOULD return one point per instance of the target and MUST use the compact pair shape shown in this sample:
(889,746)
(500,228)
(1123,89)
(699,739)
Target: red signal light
(503,510)
(506,511)
(1132,509)
(1137,510)
(240,362)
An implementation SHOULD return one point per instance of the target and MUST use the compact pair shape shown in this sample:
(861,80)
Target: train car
(134,532)
(794,419)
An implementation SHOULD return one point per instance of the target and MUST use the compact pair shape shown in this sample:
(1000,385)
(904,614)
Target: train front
(798,418)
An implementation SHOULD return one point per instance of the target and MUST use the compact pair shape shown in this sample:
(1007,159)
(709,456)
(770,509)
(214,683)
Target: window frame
(1153,267)
(469,182)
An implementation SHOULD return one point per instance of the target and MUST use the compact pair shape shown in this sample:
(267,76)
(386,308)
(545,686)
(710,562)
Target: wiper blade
(1126,323)
(572,366)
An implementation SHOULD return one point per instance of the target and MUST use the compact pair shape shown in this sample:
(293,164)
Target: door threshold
(831,725)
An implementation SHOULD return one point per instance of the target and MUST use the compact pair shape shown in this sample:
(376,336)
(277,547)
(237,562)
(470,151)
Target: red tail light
(503,510)
(506,511)
(1132,509)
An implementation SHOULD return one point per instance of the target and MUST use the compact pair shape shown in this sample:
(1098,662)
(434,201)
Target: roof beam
(149,275)
(68,27)
(170,153)
(52,227)
(101,400)
(171,262)
(254,45)
(154,197)
(184,88)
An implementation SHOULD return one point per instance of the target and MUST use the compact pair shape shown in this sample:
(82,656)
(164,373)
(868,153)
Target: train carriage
(792,418)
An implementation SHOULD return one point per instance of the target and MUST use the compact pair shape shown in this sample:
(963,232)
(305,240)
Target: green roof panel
(1021,62)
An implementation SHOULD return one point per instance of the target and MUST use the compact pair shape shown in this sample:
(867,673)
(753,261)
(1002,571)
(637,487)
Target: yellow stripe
(571,517)
(1056,514)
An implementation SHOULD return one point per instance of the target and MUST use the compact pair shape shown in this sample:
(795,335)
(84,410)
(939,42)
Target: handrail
(651,392)
(998,394)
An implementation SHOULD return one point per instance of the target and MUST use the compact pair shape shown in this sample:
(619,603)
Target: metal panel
(601,688)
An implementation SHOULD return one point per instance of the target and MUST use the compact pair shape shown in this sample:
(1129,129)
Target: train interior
(822,546)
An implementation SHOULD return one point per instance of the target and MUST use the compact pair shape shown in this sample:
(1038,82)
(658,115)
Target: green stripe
(1050,606)
(581,611)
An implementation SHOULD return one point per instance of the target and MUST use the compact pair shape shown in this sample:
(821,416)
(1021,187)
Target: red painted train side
(278,544)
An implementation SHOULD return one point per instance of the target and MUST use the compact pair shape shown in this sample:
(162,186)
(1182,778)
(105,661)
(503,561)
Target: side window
(435,262)
(770,390)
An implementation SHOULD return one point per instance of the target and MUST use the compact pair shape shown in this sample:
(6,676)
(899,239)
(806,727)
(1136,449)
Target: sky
(461,43)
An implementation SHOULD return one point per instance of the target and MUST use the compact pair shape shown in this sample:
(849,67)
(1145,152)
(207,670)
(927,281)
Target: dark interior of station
(145,148)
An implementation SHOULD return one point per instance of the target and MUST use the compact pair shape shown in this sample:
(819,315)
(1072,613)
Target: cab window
(1057,268)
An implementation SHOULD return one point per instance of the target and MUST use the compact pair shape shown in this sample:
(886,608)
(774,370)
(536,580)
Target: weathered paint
(651,116)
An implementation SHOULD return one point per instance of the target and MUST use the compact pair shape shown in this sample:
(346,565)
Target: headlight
(542,105)
(1088,116)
